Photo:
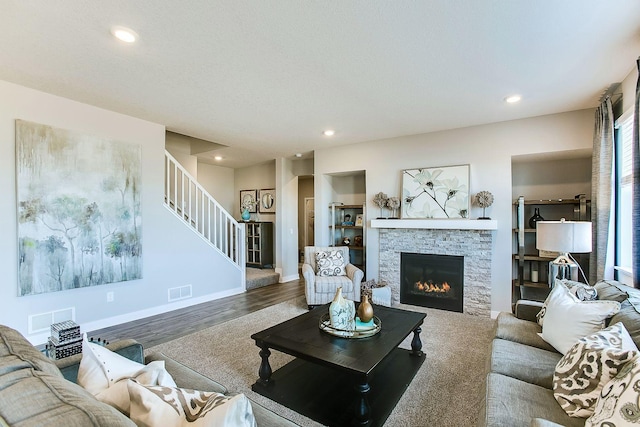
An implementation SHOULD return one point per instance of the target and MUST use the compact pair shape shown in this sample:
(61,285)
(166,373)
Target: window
(624,196)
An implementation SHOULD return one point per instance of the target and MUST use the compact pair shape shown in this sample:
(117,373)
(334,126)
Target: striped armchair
(321,290)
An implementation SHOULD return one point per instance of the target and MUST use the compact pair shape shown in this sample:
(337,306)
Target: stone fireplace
(469,239)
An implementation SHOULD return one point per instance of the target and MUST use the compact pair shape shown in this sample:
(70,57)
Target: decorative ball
(484,199)
(346,241)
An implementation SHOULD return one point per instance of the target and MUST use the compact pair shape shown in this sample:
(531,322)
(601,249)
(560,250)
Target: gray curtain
(635,218)
(602,180)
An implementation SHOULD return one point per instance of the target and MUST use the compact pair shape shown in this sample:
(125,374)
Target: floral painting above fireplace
(441,192)
(79,216)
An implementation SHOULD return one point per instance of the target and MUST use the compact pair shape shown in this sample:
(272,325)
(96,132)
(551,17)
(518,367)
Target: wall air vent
(180,292)
(42,322)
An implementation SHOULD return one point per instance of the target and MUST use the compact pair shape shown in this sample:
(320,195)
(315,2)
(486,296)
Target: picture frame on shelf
(359,220)
(439,192)
(248,200)
(267,200)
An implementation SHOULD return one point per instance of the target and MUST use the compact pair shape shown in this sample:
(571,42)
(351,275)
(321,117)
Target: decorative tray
(359,332)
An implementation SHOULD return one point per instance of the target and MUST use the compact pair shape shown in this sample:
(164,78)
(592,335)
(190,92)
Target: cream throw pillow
(173,407)
(588,366)
(101,373)
(582,291)
(618,404)
(568,319)
(330,263)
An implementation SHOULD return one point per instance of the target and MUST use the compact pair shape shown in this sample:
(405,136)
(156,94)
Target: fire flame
(429,287)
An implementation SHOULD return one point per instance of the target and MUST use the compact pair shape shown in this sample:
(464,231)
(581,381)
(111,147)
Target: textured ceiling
(265,78)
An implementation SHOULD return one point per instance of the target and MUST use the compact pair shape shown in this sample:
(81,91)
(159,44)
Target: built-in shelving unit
(348,222)
(531,268)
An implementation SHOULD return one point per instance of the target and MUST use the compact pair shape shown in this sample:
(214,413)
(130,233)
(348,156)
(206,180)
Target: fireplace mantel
(437,224)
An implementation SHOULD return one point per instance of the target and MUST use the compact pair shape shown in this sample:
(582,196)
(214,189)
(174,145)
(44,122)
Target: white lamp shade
(564,236)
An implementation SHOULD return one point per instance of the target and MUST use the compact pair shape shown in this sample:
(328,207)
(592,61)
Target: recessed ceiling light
(127,35)
(298,155)
(512,99)
(329,132)
(218,158)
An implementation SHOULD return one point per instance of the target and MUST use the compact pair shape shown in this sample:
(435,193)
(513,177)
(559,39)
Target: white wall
(180,149)
(256,177)
(286,226)
(172,254)
(487,149)
(628,88)
(305,189)
(552,179)
(219,182)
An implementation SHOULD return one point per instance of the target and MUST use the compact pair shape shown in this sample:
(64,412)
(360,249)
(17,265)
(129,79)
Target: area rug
(447,390)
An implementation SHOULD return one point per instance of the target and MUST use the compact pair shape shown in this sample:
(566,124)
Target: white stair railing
(204,215)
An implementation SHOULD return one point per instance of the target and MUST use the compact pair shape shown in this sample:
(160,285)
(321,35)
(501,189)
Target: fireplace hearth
(434,281)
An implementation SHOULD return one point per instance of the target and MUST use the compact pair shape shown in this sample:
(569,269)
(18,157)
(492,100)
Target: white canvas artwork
(79,217)
(441,192)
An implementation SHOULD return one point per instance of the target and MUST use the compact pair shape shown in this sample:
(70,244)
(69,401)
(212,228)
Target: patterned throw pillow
(582,291)
(330,263)
(366,287)
(588,366)
(619,399)
(176,407)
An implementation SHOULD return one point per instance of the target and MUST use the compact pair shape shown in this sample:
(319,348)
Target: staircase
(203,214)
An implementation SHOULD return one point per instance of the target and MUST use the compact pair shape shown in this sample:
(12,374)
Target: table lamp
(564,237)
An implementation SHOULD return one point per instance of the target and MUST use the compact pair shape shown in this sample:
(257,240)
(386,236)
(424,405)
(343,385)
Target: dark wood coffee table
(340,381)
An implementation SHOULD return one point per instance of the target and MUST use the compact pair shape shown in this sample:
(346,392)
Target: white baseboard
(289,278)
(42,338)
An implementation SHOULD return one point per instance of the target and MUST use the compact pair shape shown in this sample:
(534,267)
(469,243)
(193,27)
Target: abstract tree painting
(436,192)
(79,217)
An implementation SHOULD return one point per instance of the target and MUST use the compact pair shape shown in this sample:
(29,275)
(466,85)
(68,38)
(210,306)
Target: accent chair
(320,289)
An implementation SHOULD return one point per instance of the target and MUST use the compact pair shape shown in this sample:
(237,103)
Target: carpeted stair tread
(257,278)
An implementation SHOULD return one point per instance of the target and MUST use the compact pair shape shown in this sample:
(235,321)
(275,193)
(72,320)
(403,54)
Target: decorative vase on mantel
(533,221)
(246,215)
(342,312)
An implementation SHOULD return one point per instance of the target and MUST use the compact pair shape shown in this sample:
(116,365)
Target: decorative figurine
(484,199)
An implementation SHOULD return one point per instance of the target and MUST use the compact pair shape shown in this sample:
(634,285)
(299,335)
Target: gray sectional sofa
(36,391)
(520,372)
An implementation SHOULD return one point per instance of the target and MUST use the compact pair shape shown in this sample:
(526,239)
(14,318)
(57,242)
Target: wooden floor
(165,327)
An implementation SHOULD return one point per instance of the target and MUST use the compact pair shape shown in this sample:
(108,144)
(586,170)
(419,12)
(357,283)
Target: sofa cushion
(568,319)
(17,353)
(514,403)
(509,327)
(611,290)
(523,362)
(35,398)
(588,366)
